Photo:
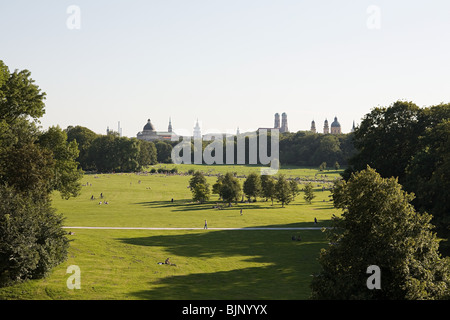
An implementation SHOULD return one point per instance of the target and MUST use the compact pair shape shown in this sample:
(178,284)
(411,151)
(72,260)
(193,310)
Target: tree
(252,186)
(199,187)
(66,174)
(32,240)
(283,190)
(147,153)
(84,138)
(428,176)
(20,96)
(201,193)
(268,187)
(337,166)
(197,178)
(295,190)
(323,166)
(328,149)
(380,227)
(164,152)
(228,187)
(387,138)
(309,193)
(111,153)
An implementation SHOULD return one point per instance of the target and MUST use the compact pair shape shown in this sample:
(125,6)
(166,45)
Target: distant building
(284,125)
(277,121)
(326,129)
(313,126)
(150,134)
(335,127)
(197,131)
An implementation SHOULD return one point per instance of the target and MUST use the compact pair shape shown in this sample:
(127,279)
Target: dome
(335,123)
(149,126)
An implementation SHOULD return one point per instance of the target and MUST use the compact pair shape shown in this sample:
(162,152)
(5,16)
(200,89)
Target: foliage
(380,227)
(410,143)
(66,174)
(295,190)
(20,96)
(164,151)
(201,192)
(252,185)
(197,178)
(268,187)
(84,137)
(309,193)
(228,187)
(283,190)
(31,238)
(305,148)
(199,187)
(32,165)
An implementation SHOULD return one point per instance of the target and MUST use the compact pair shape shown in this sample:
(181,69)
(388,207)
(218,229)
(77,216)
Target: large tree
(268,187)
(228,187)
(380,227)
(410,143)
(283,191)
(387,138)
(252,185)
(32,165)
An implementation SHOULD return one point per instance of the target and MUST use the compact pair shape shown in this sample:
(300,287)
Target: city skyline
(231,64)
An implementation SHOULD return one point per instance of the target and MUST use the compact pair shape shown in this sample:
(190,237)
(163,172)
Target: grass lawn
(210,264)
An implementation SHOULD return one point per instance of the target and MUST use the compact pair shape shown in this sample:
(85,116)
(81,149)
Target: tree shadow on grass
(188,205)
(265,264)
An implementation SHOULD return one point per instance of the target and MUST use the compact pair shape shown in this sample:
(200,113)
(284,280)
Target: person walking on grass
(206,225)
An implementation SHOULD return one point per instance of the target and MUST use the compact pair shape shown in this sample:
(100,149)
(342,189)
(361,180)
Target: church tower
(284,124)
(326,129)
(169,129)
(197,131)
(277,121)
(313,126)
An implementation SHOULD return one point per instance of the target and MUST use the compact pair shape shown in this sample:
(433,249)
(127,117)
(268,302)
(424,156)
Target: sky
(227,63)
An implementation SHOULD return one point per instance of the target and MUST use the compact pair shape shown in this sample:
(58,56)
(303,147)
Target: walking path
(144,228)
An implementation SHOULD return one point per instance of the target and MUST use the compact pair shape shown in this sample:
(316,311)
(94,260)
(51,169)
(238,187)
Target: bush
(32,240)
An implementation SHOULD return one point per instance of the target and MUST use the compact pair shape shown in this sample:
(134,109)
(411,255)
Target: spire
(197,131)
(170,125)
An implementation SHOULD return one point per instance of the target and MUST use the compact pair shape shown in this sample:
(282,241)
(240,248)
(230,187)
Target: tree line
(255,185)
(108,153)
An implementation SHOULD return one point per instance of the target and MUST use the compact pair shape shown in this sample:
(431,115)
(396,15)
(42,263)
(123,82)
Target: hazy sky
(228,63)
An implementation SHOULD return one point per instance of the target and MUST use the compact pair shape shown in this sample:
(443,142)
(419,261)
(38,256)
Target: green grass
(211,264)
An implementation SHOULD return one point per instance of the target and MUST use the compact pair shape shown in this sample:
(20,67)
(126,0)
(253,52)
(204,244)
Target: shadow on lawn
(283,271)
(188,205)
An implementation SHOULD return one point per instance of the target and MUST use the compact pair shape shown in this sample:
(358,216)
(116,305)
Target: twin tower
(284,125)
